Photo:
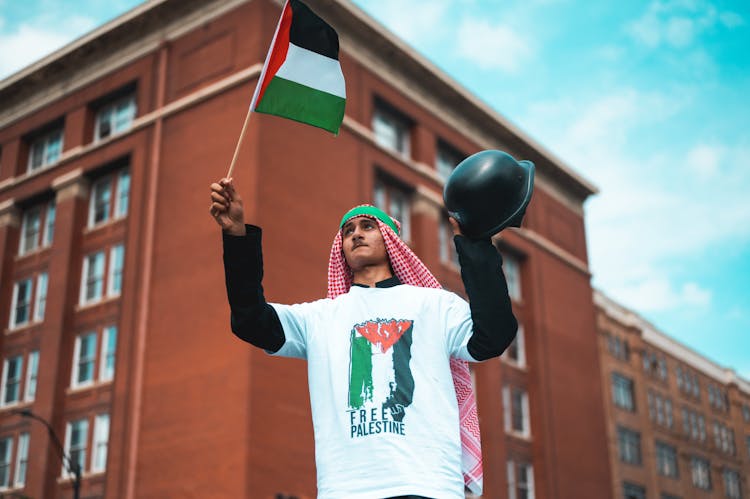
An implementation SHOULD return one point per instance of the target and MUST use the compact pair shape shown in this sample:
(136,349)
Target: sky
(647,99)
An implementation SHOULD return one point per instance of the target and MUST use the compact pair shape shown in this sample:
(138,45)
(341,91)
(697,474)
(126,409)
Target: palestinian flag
(301,79)
(379,372)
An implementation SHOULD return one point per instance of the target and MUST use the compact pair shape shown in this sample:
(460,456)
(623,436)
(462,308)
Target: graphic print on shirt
(381,385)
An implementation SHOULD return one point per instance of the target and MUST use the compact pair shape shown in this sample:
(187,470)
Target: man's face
(363,243)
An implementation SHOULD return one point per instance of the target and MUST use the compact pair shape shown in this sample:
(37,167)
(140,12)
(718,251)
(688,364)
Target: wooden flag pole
(239,143)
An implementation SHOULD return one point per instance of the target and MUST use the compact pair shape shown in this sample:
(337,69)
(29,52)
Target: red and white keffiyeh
(410,270)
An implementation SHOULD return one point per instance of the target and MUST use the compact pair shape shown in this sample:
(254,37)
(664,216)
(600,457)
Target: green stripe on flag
(297,102)
(360,377)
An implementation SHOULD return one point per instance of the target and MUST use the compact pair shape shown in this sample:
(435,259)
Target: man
(393,412)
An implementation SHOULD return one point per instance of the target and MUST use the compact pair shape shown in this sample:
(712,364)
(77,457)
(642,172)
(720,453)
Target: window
(109,350)
(11,382)
(20,310)
(664,495)
(6,448)
(448,252)
(37,227)
(86,366)
(93,278)
(747,445)
(746,413)
(622,392)
(101,437)
(45,150)
(396,202)
(512,271)
(392,130)
(660,409)
(618,347)
(116,257)
(520,480)
(724,438)
(717,397)
(447,159)
(115,117)
(629,445)
(516,409)
(732,488)
(22,460)
(701,473)
(693,425)
(84,358)
(633,491)
(32,372)
(666,460)
(76,436)
(109,199)
(41,296)
(516,352)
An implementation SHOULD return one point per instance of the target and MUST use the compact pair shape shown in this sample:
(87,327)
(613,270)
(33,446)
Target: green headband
(371,211)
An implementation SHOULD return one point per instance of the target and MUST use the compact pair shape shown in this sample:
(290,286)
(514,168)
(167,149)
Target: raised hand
(226,207)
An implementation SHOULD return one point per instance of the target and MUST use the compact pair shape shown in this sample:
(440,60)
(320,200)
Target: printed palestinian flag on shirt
(302,78)
(379,372)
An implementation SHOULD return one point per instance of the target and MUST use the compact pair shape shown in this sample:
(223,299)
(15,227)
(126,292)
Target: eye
(348,230)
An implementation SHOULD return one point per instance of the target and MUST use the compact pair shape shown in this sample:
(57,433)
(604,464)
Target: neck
(369,275)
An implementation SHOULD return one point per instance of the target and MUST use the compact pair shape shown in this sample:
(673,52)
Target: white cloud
(678,24)
(417,21)
(704,160)
(32,41)
(658,293)
(492,46)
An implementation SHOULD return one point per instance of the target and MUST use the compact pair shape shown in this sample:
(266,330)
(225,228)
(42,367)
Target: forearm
(494,325)
(252,319)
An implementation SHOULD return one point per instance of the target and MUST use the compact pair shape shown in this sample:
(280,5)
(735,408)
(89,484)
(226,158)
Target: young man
(393,410)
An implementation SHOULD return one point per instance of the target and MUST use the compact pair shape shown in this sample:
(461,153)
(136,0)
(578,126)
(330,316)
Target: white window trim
(22,249)
(511,474)
(5,380)
(96,185)
(508,408)
(400,128)
(100,427)
(529,479)
(521,347)
(113,105)
(22,451)
(43,276)
(14,302)
(45,138)
(117,214)
(27,397)
(68,434)
(9,456)
(46,239)
(103,376)
(111,292)
(84,280)
(74,383)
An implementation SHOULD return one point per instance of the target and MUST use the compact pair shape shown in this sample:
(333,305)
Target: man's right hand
(226,207)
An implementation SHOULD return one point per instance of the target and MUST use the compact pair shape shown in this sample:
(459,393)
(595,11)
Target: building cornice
(139,32)
(662,341)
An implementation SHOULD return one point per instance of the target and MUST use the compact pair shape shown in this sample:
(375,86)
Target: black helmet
(489,191)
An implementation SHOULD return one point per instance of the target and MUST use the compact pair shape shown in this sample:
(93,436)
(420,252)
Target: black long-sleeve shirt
(255,321)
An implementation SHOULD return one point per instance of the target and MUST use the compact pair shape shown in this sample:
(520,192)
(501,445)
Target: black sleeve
(491,311)
(253,320)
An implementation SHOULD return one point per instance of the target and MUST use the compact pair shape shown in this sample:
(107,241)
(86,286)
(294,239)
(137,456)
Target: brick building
(115,321)
(678,424)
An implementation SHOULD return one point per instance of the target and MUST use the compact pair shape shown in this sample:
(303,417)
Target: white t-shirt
(384,406)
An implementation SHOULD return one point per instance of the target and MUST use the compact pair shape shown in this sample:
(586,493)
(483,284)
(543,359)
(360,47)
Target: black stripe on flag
(311,32)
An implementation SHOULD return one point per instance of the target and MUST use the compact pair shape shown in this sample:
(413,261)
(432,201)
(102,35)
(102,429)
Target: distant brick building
(678,424)
(115,321)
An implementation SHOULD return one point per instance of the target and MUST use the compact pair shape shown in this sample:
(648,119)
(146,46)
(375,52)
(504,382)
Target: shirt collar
(385,283)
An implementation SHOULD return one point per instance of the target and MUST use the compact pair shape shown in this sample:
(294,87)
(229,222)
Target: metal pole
(70,466)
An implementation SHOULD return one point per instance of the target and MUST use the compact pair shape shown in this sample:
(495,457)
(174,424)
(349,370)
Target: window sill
(36,251)
(23,327)
(84,476)
(106,223)
(89,386)
(521,436)
(16,405)
(101,301)
(515,365)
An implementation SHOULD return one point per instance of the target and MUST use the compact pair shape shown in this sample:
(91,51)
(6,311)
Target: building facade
(115,320)
(678,424)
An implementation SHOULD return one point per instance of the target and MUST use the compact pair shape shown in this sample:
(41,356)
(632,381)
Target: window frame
(512,273)
(5,380)
(32,375)
(44,141)
(115,268)
(698,473)
(100,437)
(384,116)
(509,409)
(83,299)
(666,454)
(111,106)
(520,345)
(40,296)
(6,462)
(629,448)
(75,370)
(21,461)
(617,379)
(106,374)
(12,324)
(81,449)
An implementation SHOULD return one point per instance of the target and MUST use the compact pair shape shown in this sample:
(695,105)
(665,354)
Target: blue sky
(648,99)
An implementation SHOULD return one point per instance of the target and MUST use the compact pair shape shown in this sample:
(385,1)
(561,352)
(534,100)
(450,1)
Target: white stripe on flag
(313,70)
